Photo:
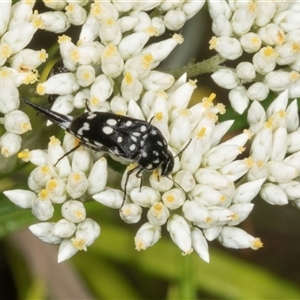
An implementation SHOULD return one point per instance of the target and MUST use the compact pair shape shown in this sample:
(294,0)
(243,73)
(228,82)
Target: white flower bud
(246,192)
(55,21)
(61,84)
(56,5)
(157,81)
(22,198)
(238,99)
(191,7)
(110,32)
(19,37)
(161,184)
(173,198)
(10,144)
(235,169)
(123,6)
(161,50)
(200,244)
(212,233)
(118,105)
(251,42)
(221,26)
(264,60)
(56,190)
(180,233)
(256,117)
(76,14)
(131,87)
(271,34)
(197,213)
(212,178)
(147,236)
(88,53)
(98,176)
(258,91)
(221,155)
(56,157)
(219,8)
(64,229)
(241,212)
(77,184)
(288,20)
(112,198)
(100,91)
(132,44)
(265,12)
(236,238)
(5,7)
(112,61)
(294,89)
(88,230)
(189,161)
(185,180)
(81,161)
(145,197)
(174,19)
(42,209)
(180,130)
(261,145)
(66,249)
(227,47)
(243,18)
(28,59)
(293,141)
(17,122)
(43,231)
(279,144)
(281,172)
(245,71)
(292,117)
(278,80)
(9,96)
(273,194)
(79,100)
(89,30)
(226,78)
(158,214)
(73,211)
(207,196)
(85,75)
(131,213)
(292,189)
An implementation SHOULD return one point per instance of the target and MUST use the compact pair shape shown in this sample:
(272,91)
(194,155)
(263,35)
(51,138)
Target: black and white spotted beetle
(131,139)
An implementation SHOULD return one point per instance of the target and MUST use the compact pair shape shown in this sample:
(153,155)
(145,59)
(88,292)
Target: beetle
(131,139)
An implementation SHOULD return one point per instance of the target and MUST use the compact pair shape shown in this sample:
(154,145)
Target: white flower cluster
(267,30)
(113,63)
(276,150)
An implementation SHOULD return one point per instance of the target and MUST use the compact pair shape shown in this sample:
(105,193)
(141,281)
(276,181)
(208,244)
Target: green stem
(210,65)
(187,287)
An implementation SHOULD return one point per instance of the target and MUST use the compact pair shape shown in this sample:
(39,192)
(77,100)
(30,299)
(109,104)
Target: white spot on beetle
(119,139)
(143,128)
(111,122)
(86,126)
(132,147)
(128,123)
(91,115)
(107,130)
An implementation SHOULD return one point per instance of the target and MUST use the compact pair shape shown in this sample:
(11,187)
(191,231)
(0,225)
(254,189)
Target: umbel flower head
(112,68)
(197,203)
